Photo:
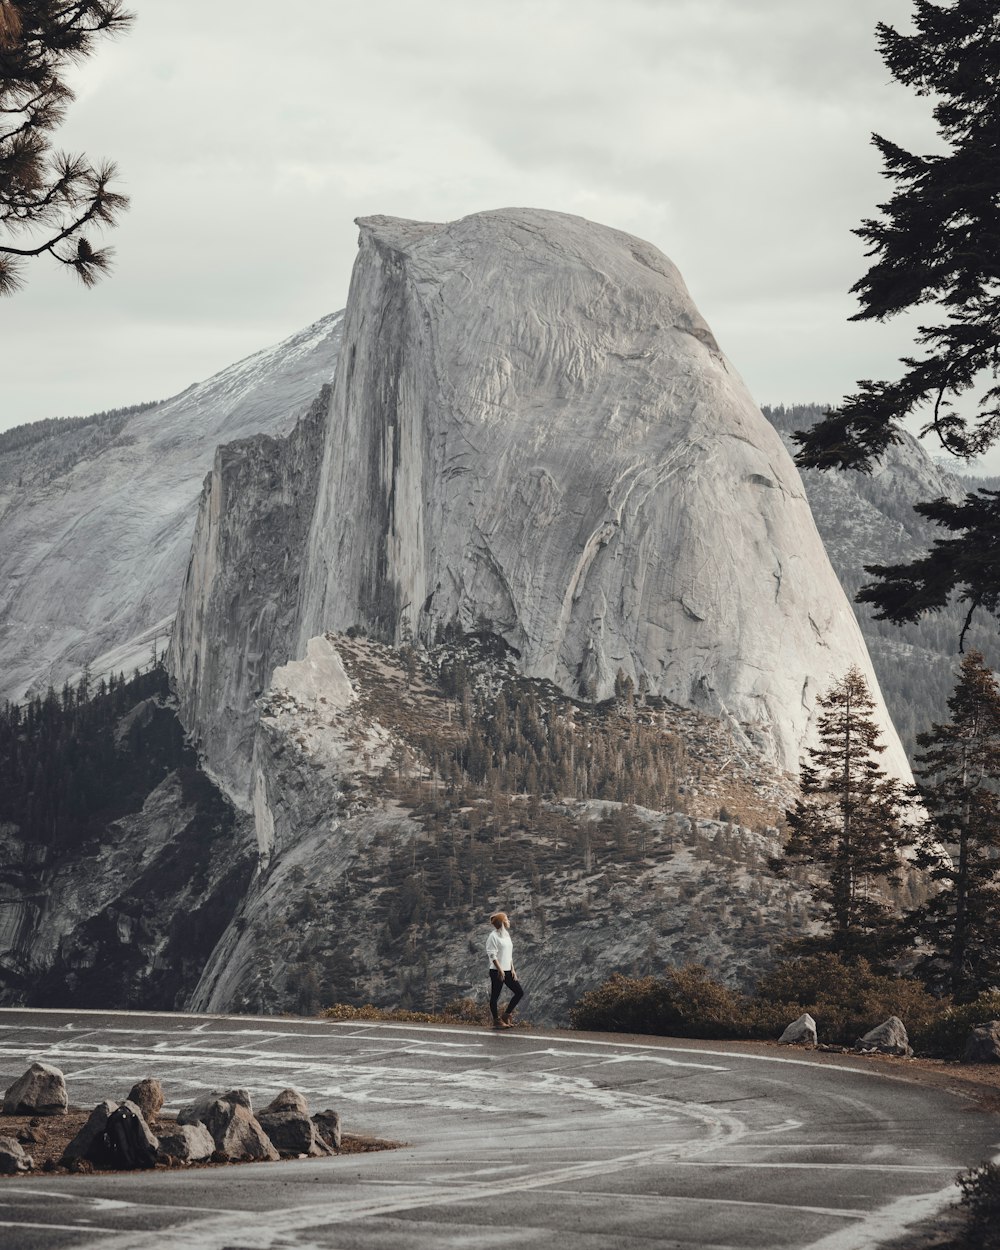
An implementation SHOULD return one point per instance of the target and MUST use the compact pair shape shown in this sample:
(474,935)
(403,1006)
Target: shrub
(845,999)
(945,1035)
(684,1002)
(981,1201)
(344,1011)
(458,1011)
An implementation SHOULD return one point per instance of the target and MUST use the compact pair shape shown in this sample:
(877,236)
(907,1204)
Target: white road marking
(888,1221)
(822,1167)
(62,1228)
(852,1213)
(115,1204)
(224,1227)
(257,1230)
(510,1037)
(611,1059)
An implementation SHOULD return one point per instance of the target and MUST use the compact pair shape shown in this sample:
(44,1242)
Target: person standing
(500,953)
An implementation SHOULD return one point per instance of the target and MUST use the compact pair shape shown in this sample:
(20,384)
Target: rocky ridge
(96,521)
(378,873)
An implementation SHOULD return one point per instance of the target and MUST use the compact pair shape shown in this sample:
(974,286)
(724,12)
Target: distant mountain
(531,428)
(96,514)
(526,606)
(869,519)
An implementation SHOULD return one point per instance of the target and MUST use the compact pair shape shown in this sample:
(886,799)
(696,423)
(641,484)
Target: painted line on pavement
(669,1199)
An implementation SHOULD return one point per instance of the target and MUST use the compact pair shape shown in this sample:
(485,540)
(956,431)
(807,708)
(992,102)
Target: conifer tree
(848,828)
(959,771)
(936,243)
(48,200)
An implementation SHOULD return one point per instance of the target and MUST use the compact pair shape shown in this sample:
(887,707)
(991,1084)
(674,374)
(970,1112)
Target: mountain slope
(533,429)
(96,521)
(868,518)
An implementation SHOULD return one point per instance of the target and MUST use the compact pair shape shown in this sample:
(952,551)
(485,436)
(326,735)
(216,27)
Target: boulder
(188,1143)
(80,1146)
(889,1038)
(12,1157)
(40,1091)
(292,1133)
(800,1032)
(127,1142)
(288,1100)
(236,1132)
(983,1044)
(328,1127)
(148,1097)
(195,1112)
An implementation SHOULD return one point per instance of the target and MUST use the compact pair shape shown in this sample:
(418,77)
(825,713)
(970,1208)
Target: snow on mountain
(95,533)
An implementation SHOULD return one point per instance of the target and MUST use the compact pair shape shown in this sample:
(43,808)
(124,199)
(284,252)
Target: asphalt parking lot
(543,1139)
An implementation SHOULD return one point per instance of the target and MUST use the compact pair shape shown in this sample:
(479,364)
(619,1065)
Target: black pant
(497,982)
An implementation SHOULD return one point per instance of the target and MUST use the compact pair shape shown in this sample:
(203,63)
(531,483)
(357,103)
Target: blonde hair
(499,918)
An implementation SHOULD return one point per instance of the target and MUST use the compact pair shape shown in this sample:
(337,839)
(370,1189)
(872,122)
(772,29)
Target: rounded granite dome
(533,424)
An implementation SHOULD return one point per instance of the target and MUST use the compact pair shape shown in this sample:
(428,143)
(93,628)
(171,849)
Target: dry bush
(845,999)
(684,1002)
(458,1011)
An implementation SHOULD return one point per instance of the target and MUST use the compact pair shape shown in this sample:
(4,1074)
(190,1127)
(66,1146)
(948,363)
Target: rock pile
(217,1127)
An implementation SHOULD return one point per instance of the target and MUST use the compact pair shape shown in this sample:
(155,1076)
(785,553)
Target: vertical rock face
(237,613)
(532,425)
(95,532)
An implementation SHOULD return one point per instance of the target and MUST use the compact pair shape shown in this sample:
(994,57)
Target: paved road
(547,1140)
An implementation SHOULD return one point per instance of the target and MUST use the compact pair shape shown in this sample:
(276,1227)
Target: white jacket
(501,948)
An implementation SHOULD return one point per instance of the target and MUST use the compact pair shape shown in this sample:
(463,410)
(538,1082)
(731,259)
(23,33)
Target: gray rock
(288,1100)
(12,1157)
(889,1038)
(239,1098)
(650,452)
(800,1032)
(148,1097)
(195,1112)
(40,1091)
(328,1126)
(80,1146)
(983,1043)
(91,568)
(252,526)
(187,1143)
(292,1133)
(237,1134)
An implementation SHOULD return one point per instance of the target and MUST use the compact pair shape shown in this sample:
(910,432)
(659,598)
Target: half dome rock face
(532,429)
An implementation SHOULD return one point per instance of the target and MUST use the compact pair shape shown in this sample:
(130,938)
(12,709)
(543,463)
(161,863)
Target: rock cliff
(96,522)
(237,614)
(532,426)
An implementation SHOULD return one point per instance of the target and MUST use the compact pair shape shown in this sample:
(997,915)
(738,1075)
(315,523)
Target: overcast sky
(732,135)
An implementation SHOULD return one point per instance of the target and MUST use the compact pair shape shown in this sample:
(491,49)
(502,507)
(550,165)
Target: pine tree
(958,771)
(937,242)
(48,199)
(848,827)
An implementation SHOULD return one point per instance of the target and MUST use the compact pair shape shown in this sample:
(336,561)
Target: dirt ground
(45,1138)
